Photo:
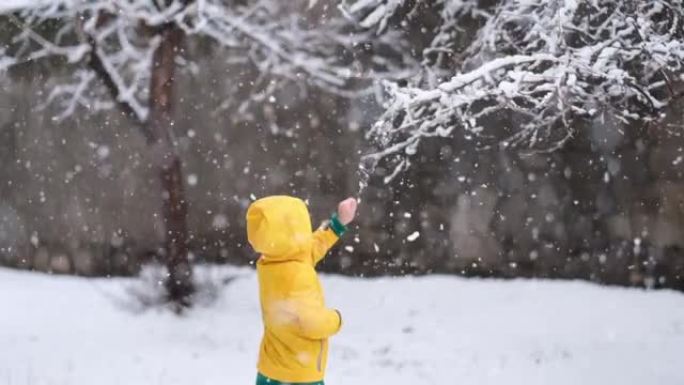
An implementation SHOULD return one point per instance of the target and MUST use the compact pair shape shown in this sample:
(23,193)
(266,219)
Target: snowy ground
(433,330)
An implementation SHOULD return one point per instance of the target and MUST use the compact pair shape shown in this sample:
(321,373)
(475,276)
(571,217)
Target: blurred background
(79,194)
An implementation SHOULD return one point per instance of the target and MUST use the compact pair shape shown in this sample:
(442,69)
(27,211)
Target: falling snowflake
(413,236)
(34,239)
(192,179)
(220,221)
(103,152)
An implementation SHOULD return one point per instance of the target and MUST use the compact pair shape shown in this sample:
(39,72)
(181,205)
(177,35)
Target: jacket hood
(279,227)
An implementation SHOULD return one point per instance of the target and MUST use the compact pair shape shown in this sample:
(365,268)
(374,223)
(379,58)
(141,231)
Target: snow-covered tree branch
(104,36)
(545,65)
(116,39)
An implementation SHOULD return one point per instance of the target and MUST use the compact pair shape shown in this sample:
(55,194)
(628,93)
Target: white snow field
(429,330)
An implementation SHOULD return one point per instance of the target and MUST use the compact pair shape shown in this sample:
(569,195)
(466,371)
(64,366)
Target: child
(297,324)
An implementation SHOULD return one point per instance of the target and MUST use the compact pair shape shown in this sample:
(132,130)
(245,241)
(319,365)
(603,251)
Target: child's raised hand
(346,210)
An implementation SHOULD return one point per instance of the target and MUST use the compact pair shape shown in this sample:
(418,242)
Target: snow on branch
(546,66)
(106,38)
(372,13)
(8,6)
(116,39)
(278,40)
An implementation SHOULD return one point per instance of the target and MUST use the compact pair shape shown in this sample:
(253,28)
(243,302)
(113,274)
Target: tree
(124,54)
(547,66)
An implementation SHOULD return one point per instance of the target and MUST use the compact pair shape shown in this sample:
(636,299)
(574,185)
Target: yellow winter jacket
(297,324)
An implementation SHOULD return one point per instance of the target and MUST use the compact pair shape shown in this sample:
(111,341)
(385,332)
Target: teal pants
(263,380)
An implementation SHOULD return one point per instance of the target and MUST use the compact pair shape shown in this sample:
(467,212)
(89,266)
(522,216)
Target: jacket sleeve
(318,322)
(323,240)
(305,319)
(312,319)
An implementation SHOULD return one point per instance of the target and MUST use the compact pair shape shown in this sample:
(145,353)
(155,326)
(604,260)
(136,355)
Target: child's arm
(324,239)
(317,322)
(302,312)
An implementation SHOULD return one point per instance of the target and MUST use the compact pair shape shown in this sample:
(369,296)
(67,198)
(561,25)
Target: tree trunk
(179,282)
